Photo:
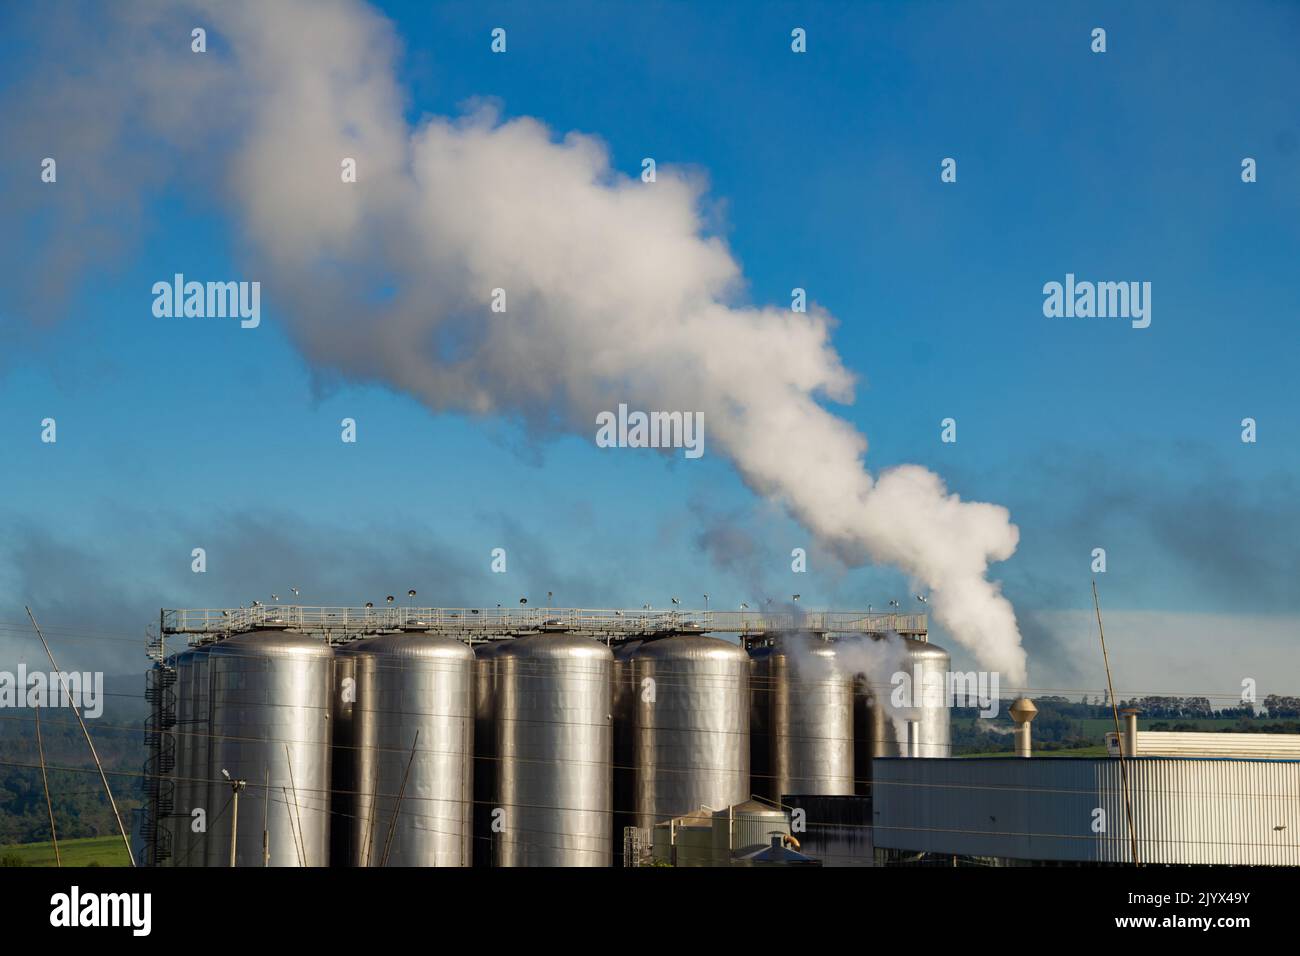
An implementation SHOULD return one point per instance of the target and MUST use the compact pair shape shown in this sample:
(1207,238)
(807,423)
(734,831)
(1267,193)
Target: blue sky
(824,173)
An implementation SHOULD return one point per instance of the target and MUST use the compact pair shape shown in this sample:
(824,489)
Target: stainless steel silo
(177,823)
(554,743)
(894,717)
(808,720)
(931,713)
(690,726)
(342,755)
(191,773)
(413,724)
(271,693)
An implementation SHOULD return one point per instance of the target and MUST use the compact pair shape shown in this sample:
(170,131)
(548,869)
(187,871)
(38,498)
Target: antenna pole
(266,809)
(45,782)
(63,682)
(1119,736)
(234,821)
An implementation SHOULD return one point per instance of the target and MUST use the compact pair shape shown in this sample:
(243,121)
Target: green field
(99,851)
(1096,726)
(1098,751)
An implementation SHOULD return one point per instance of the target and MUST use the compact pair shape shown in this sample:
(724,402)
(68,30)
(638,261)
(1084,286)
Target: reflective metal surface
(270,723)
(804,698)
(191,773)
(413,727)
(884,708)
(554,742)
(690,727)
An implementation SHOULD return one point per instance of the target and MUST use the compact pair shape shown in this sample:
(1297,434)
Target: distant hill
(80,806)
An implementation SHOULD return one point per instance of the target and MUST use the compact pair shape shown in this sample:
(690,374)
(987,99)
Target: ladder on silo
(160,681)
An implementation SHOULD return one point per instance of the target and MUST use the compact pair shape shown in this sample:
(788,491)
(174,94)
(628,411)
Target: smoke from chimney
(614,290)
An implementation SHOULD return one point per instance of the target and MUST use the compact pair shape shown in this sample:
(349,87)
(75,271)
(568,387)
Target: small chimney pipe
(1130,731)
(1023,713)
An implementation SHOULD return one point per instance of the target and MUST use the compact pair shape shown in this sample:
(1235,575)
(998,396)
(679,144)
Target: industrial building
(1158,798)
(1072,810)
(296,736)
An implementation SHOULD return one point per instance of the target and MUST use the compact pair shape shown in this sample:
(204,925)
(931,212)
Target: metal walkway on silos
(470,624)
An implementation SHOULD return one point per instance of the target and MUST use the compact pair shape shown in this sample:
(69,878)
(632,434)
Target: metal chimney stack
(1023,713)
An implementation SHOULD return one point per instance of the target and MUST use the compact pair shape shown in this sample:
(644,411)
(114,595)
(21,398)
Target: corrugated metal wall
(1185,810)
(1160,743)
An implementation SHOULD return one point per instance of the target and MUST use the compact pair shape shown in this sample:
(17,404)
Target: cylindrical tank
(199,844)
(270,728)
(413,724)
(554,741)
(342,756)
(888,712)
(191,771)
(485,749)
(745,827)
(183,768)
(807,720)
(690,726)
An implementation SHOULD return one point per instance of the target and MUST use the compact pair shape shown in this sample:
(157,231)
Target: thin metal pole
(1119,737)
(392,825)
(302,851)
(266,809)
(45,782)
(234,823)
(284,791)
(373,796)
(63,681)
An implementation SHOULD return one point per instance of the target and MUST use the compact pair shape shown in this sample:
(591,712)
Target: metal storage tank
(804,699)
(183,768)
(191,772)
(554,741)
(413,725)
(691,734)
(884,730)
(201,715)
(685,841)
(746,827)
(485,752)
(270,705)
(342,755)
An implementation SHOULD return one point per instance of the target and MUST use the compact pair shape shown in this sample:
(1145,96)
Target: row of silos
(822,710)
(413,749)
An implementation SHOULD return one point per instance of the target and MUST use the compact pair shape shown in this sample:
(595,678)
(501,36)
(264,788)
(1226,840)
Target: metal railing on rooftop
(498,621)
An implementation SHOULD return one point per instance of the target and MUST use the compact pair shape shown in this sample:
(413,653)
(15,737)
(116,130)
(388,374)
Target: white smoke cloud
(615,291)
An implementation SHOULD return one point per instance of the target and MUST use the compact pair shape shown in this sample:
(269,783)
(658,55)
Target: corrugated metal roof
(1160,743)
(1185,810)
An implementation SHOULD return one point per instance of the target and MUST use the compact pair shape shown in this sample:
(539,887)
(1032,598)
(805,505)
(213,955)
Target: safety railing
(344,621)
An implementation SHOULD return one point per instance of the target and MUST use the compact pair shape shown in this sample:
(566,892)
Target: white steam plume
(615,293)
